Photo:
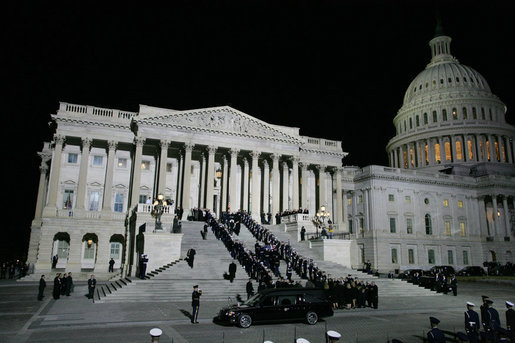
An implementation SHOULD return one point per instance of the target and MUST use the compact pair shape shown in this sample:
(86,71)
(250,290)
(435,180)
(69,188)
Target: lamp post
(158,210)
(322,214)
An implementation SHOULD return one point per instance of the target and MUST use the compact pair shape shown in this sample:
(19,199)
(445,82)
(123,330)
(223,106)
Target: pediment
(224,120)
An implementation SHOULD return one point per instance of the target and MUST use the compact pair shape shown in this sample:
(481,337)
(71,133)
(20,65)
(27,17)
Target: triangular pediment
(224,120)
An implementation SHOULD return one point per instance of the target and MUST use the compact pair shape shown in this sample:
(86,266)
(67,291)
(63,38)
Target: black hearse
(279,305)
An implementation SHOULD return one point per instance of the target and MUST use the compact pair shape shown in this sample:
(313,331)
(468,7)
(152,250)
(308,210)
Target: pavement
(77,319)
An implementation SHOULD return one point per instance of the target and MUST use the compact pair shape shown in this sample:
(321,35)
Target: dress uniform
(483,309)
(435,335)
(492,321)
(332,336)
(471,323)
(510,321)
(195,303)
(462,337)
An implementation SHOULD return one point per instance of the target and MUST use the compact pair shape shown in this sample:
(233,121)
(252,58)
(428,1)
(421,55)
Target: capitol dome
(450,118)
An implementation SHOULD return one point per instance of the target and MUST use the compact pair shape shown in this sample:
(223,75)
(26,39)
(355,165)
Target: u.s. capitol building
(446,198)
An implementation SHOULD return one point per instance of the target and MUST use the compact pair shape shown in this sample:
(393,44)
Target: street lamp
(158,210)
(321,215)
(218,173)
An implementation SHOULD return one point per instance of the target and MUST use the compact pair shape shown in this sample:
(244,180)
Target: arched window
(469,146)
(437,153)
(425,119)
(464,112)
(429,227)
(459,153)
(454,113)
(435,117)
(474,113)
(448,155)
(444,114)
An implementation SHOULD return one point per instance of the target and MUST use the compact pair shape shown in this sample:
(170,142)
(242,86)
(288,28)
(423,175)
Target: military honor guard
(332,336)
(483,309)
(492,323)
(435,335)
(462,337)
(42,285)
(509,332)
(195,303)
(471,323)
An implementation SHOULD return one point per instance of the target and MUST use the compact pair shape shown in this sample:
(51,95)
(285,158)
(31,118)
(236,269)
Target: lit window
(454,113)
(412,157)
(68,199)
(462,229)
(447,228)
(460,204)
(497,156)
(122,163)
(445,203)
(405,153)
(426,151)
(469,146)
(448,155)
(145,165)
(349,201)
(437,153)
(459,153)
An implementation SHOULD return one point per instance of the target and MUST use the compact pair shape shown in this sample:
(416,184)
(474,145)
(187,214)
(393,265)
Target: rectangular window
(469,146)
(394,255)
(72,157)
(360,199)
(463,230)
(350,226)
(145,165)
(349,201)
(122,163)
(460,204)
(431,256)
(118,202)
(445,203)
(97,161)
(142,199)
(361,228)
(392,225)
(465,257)
(68,199)
(89,251)
(409,225)
(407,199)
(447,147)
(448,228)
(93,200)
(450,257)
(115,250)
(411,256)
(391,197)
(437,153)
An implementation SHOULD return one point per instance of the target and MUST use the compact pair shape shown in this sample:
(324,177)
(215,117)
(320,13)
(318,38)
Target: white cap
(155,332)
(301,340)
(509,303)
(268,342)
(333,334)
(470,304)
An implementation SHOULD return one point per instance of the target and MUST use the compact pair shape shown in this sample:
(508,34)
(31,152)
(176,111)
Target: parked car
(278,305)
(409,273)
(447,270)
(472,271)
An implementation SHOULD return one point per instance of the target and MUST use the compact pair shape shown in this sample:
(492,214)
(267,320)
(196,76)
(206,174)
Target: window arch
(459,152)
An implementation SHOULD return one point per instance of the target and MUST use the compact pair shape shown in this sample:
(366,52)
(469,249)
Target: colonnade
(453,148)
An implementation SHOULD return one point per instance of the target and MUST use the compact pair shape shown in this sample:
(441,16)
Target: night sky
(335,69)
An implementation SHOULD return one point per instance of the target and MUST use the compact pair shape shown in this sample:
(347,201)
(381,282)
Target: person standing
(374,293)
(303,233)
(57,286)
(92,283)
(232,271)
(492,321)
(250,289)
(190,257)
(471,323)
(69,284)
(42,285)
(510,321)
(195,304)
(454,285)
(111,265)
(435,335)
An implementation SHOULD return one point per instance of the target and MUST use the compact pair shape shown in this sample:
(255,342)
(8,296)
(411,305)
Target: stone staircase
(175,281)
(386,287)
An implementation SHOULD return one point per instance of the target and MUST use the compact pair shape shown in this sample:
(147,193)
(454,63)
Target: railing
(112,114)
(323,143)
(318,236)
(295,218)
(147,208)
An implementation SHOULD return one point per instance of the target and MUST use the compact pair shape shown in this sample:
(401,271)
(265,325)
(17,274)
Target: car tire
(311,318)
(244,321)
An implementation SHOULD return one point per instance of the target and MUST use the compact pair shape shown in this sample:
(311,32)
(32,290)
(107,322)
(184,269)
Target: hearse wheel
(311,318)
(244,321)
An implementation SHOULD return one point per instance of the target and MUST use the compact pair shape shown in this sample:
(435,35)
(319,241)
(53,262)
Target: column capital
(234,152)
(276,156)
(303,165)
(255,154)
(188,147)
(164,144)
(139,141)
(59,139)
(295,159)
(321,167)
(112,145)
(86,142)
(211,149)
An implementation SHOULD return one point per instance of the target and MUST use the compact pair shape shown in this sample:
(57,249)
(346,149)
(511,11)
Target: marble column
(304,185)
(339,201)
(506,210)
(255,210)
(42,188)
(163,159)
(483,220)
(83,173)
(178,195)
(233,182)
(322,196)
(275,185)
(295,176)
(55,171)
(266,187)
(224,183)
(136,175)
(107,205)
(202,199)
(495,217)
(186,183)
(210,180)
(245,185)
(285,185)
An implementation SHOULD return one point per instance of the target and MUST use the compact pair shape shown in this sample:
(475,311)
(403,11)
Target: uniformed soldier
(301,340)
(483,309)
(195,303)
(332,336)
(510,322)
(435,335)
(471,323)
(492,321)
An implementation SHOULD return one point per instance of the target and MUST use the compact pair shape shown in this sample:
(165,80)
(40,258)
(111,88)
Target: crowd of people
(63,285)
(262,263)
(14,269)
